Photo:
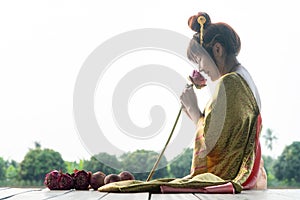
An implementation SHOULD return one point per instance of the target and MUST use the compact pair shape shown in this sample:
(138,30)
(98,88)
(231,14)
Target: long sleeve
(199,162)
(225,136)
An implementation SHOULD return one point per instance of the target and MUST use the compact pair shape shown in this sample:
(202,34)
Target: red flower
(197,79)
(56,180)
(81,179)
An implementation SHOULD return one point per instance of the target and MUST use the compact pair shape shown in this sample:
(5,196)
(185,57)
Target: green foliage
(37,162)
(288,164)
(108,164)
(80,164)
(2,169)
(180,165)
(269,165)
(11,173)
(70,166)
(140,163)
(12,178)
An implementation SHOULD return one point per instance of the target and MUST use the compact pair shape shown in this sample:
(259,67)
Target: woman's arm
(190,104)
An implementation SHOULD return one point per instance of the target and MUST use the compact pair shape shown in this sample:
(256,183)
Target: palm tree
(269,138)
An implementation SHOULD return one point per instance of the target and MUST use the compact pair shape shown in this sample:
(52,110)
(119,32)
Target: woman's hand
(190,104)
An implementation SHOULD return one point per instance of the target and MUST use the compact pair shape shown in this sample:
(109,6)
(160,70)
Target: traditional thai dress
(226,157)
(227,136)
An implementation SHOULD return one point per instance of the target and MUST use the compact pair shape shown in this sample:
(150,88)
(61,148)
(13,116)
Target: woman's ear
(218,50)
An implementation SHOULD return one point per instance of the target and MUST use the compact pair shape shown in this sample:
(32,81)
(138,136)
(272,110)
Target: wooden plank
(291,193)
(181,196)
(255,194)
(126,196)
(38,195)
(4,188)
(273,194)
(8,193)
(221,196)
(80,194)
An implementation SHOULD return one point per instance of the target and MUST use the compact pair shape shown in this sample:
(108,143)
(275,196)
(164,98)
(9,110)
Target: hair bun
(193,21)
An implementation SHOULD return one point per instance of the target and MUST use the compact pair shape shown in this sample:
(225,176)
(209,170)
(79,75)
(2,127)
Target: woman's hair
(213,33)
(193,49)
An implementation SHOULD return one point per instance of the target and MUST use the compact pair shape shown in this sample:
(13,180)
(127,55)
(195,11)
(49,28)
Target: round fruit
(125,175)
(97,180)
(111,178)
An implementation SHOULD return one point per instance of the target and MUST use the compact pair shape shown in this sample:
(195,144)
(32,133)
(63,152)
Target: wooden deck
(42,193)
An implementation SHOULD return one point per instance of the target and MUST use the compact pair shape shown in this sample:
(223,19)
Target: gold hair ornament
(201,20)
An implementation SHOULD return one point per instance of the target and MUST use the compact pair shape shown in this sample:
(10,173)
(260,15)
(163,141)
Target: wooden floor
(42,193)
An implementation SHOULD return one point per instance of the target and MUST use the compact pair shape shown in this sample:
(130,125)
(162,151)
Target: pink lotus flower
(197,79)
(81,179)
(56,180)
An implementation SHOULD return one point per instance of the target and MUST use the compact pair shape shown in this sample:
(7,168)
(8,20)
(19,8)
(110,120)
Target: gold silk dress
(225,143)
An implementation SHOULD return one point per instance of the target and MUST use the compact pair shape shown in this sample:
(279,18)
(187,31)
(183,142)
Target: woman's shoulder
(231,78)
(233,82)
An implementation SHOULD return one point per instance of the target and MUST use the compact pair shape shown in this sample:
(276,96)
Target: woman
(227,136)
(226,155)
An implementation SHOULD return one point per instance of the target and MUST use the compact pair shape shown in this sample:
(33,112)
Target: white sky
(44,43)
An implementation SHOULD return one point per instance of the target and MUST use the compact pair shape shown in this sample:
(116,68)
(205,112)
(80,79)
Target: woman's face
(206,64)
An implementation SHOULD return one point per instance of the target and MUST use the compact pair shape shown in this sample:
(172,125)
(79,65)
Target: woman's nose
(200,68)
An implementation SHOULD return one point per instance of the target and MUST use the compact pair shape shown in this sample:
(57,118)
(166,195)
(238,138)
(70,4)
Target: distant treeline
(282,171)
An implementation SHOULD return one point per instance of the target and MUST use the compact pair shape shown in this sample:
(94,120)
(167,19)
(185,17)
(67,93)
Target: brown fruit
(111,178)
(97,180)
(125,175)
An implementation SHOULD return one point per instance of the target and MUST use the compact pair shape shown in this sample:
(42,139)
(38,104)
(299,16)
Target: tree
(269,167)
(180,166)
(288,164)
(108,164)
(37,145)
(2,169)
(11,173)
(268,164)
(11,170)
(269,138)
(38,162)
(140,163)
